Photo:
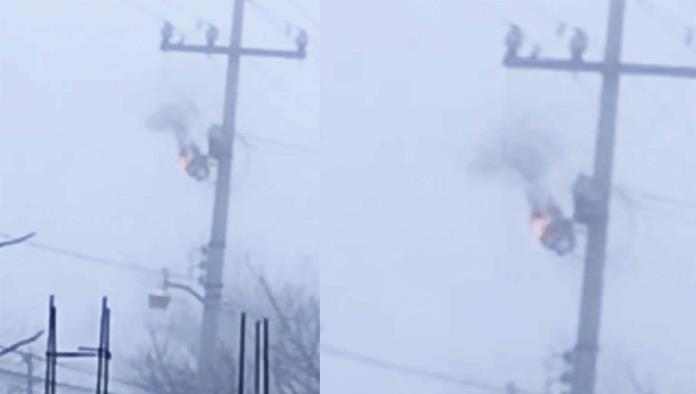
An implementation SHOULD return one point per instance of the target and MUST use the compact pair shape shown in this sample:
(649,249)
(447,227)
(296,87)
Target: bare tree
(167,364)
(295,365)
(637,386)
(168,367)
(15,241)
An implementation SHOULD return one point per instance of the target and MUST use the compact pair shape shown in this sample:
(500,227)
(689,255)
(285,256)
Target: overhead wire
(124,265)
(536,41)
(283,25)
(667,200)
(420,372)
(138,6)
(278,143)
(73,368)
(646,3)
(273,81)
(36,379)
(287,28)
(313,21)
(666,25)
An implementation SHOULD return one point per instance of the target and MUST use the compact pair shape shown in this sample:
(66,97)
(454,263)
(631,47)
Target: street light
(161,298)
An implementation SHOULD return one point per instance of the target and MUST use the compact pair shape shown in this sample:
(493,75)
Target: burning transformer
(553,230)
(194,162)
(556,231)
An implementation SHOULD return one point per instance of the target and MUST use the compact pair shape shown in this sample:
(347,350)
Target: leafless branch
(17,240)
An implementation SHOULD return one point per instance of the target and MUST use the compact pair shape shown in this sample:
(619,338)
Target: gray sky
(427,262)
(78,80)
(425,259)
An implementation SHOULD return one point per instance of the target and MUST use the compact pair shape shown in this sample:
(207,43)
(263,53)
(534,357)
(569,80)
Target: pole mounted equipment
(167,33)
(212,35)
(592,195)
(223,152)
(578,45)
(302,40)
(513,41)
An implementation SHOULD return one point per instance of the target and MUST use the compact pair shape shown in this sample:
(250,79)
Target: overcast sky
(429,261)
(78,80)
(426,255)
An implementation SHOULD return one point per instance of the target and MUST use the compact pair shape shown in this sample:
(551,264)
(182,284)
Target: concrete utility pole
(223,153)
(584,357)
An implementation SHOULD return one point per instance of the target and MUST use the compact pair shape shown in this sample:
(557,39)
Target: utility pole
(224,149)
(584,356)
(29,360)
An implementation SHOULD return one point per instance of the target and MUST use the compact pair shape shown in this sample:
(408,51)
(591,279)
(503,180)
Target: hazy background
(78,80)
(428,258)
(421,236)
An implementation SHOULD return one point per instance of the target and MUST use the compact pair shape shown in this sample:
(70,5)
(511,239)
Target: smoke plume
(526,154)
(176,118)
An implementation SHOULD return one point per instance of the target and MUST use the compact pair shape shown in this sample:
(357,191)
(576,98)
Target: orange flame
(540,224)
(184,159)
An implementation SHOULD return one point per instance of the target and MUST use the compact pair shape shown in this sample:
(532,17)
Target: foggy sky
(78,80)
(425,259)
(429,262)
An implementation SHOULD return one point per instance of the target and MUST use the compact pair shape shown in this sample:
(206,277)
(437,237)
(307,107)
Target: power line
(15,347)
(37,379)
(666,25)
(665,9)
(285,113)
(306,14)
(270,78)
(16,241)
(281,144)
(91,258)
(138,6)
(662,199)
(75,369)
(283,25)
(611,69)
(414,371)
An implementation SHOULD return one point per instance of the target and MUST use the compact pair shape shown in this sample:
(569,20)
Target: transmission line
(90,258)
(666,25)
(414,371)
(314,22)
